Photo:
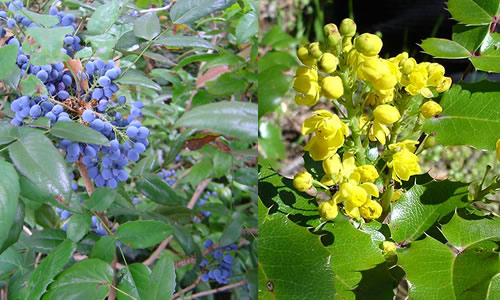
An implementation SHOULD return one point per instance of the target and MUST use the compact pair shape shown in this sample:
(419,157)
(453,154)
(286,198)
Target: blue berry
(63,95)
(42,75)
(88,116)
(104,81)
(208,243)
(35,111)
(132,155)
(132,132)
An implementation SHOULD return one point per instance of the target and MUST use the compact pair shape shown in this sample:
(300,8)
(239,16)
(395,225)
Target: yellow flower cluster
(372,94)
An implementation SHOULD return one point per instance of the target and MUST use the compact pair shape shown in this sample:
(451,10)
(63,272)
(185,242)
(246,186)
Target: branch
(112,291)
(197,192)
(85,176)
(214,291)
(187,289)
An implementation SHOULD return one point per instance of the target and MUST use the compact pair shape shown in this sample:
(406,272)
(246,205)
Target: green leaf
(434,272)
(104,249)
(490,44)
(101,199)
(135,282)
(292,261)
(176,147)
(78,226)
(248,26)
(473,12)
(46,240)
(188,11)
(277,38)
(34,197)
(48,269)
(8,57)
(470,37)
(222,162)
(46,217)
(232,232)
(9,194)
(167,75)
(15,229)
(494,288)
(272,148)
(103,17)
(184,237)
(103,44)
(275,59)
(462,233)
(51,41)
(227,84)
(133,77)
(31,85)
(44,20)
(144,165)
(10,260)
(180,41)
(486,63)
(35,157)
(147,26)
(143,234)
(8,132)
(159,58)
(444,48)
(200,171)
(79,133)
(86,279)
(467,110)
(156,189)
(273,86)
(162,281)
(234,119)
(246,176)
(422,205)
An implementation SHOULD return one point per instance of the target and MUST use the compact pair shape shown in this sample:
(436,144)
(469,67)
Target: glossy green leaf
(48,269)
(494,288)
(9,194)
(104,249)
(422,205)
(246,176)
(222,163)
(443,48)
(184,237)
(10,260)
(146,164)
(468,109)
(180,41)
(273,85)
(143,234)
(103,44)
(490,44)
(162,281)
(435,272)
(462,233)
(234,119)
(227,84)
(8,57)
(176,147)
(486,63)
(8,133)
(473,12)
(159,58)
(156,189)
(79,133)
(292,261)
(147,26)
(51,41)
(86,279)
(34,197)
(103,17)
(40,19)
(232,232)
(46,217)
(470,37)
(248,26)
(272,148)
(32,86)
(46,240)
(167,75)
(133,77)
(78,226)
(101,199)
(188,11)
(35,157)
(135,282)
(15,228)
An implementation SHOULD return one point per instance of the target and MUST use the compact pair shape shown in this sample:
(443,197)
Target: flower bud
(368,173)
(302,181)
(444,85)
(430,109)
(328,210)
(429,142)
(386,114)
(328,63)
(330,29)
(347,27)
(407,65)
(315,50)
(304,57)
(368,44)
(346,44)
(332,165)
(370,210)
(498,149)
(389,248)
(397,194)
(332,87)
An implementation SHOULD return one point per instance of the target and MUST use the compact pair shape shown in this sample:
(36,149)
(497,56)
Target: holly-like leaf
(51,41)
(422,205)
(188,11)
(143,234)
(134,77)
(433,271)
(473,12)
(9,194)
(471,116)
(444,48)
(8,56)
(103,17)
(462,233)
(156,189)
(31,85)
(78,226)
(79,133)
(86,279)
(104,249)
(292,261)
(470,37)
(181,41)
(46,240)
(486,63)
(135,282)
(247,27)
(162,280)
(147,26)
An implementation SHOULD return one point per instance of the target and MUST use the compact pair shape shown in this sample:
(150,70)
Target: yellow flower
(332,165)
(332,87)
(332,34)
(371,210)
(417,81)
(386,114)
(302,181)
(348,27)
(308,100)
(498,149)
(436,73)
(328,210)
(315,50)
(368,44)
(346,44)
(372,69)
(404,164)
(355,195)
(430,109)
(378,132)
(305,57)
(409,145)
(330,132)
(328,63)
(389,248)
(444,85)
(397,194)
(368,173)
(337,171)
(306,84)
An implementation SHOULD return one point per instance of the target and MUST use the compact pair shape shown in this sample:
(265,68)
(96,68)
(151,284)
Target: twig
(26,229)
(180,177)
(85,176)
(112,291)
(158,250)
(37,259)
(197,192)
(187,289)
(145,11)
(214,291)
(250,231)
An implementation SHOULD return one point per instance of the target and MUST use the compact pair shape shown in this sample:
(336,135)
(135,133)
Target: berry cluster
(218,264)
(87,97)
(203,200)
(170,176)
